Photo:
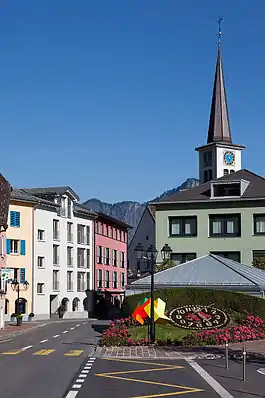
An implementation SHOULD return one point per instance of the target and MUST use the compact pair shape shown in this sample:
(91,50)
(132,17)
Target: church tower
(219,156)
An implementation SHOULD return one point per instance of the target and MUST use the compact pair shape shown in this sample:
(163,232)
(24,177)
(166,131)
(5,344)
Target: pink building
(111,251)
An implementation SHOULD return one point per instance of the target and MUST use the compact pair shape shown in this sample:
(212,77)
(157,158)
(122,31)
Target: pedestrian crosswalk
(44,352)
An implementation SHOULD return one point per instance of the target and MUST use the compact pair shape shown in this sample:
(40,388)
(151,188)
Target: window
(69,208)
(80,234)
(122,260)
(40,288)
(41,236)
(40,262)
(125,237)
(99,278)
(118,235)
(56,229)
(115,280)
(183,226)
(107,256)
(70,284)
(70,260)
(80,257)
(69,232)
(226,172)
(88,280)
(102,228)
(63,207)
(107,279)
(259,224)
(180,258)
(208,175)
(96,227)
(115,233)
(99,255)
(88,258)
(114,258)
(15,219)
(235,256)
(80,281)
(122,276)
(55,255)
(55,280)
(223,190)
(258,255)
(88,235)
(232,171)
(111,232)
(22,273)
(14,246)
(225,225)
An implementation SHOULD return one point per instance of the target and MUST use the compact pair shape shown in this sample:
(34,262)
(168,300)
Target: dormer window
(222,190)
(226,172)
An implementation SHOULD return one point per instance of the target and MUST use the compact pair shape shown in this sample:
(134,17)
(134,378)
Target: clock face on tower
(229,158)
(207,158)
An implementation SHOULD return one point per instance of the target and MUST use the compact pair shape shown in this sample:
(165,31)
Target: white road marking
(66,331)
(85,371)
(80,381)
(93,359)
(57,335)
(84,376)
(87,368)
(90,362)
(26,348)
(77,386)
(71,328)
(77,326)
(41,326)
(72,394)
(261,371)
(84,323)
(209,379)
(43,341)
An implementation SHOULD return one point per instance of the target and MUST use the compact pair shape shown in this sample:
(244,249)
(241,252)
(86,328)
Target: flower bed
(251,327)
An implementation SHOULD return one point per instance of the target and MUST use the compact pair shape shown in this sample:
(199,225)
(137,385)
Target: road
(42,362)
(56,361)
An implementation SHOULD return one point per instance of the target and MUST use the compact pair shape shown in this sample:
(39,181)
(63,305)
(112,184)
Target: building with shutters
(111,252)
(225,214)
(19,251)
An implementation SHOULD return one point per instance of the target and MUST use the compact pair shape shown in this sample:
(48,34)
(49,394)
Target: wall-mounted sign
(198,317)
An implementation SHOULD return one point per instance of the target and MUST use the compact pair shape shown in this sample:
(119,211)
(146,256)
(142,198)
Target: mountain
(131,212)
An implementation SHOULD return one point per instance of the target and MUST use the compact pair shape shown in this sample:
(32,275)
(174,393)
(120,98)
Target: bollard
(244,363)
(226,355)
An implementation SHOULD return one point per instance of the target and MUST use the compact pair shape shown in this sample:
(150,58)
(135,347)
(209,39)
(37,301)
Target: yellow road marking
(43,352)
(5,341)
(161,367)
(141,370)
(73,353)
(133,361)
(12,352)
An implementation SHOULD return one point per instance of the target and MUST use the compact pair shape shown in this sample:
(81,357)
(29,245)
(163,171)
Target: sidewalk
(255,350)
(11,329)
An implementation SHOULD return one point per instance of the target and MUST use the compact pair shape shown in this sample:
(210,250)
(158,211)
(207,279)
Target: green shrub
(229,301)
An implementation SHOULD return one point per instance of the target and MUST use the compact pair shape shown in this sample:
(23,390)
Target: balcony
(55,286)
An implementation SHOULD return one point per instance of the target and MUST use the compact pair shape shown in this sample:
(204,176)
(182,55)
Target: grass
(163,332)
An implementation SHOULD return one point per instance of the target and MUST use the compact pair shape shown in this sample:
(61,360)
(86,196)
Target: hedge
(176,297)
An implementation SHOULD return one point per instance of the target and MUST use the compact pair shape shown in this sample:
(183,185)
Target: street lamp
(166,252)
(151,254)
(16,287)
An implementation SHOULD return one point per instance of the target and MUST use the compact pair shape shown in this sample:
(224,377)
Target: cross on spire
(220,20)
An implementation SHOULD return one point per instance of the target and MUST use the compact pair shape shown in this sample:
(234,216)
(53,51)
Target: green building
(225,213)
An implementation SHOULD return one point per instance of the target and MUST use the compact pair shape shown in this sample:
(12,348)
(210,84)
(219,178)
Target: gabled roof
(52,191)
(25,196)
(77,208)
(106,217)
(201,193)
(208,271)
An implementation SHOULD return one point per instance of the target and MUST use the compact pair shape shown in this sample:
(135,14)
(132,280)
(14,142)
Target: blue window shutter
(8,246)
(23,247)
(12,218)
(22,275)
(17,218)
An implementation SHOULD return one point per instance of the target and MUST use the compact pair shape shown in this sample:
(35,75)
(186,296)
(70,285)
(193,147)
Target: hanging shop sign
(198,317)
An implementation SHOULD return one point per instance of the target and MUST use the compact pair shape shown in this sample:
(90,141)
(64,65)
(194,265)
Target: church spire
(219,127)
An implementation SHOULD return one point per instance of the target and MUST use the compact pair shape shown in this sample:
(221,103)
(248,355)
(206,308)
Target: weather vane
(220,20)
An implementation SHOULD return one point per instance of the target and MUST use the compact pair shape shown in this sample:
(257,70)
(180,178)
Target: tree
(259,262)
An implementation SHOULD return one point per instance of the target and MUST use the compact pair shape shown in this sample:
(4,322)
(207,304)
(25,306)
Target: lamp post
(150,255)
(16,287)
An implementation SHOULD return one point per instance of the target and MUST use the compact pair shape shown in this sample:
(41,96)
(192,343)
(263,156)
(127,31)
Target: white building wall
(46,304)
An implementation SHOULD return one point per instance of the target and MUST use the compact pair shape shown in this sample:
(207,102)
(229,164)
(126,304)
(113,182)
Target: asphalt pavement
(43,361)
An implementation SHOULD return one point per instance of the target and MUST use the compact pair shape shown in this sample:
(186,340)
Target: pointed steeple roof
(219,127)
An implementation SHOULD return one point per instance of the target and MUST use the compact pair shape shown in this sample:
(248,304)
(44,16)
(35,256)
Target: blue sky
(112,96)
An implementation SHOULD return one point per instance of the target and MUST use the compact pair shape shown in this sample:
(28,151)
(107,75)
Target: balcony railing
(55,286)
